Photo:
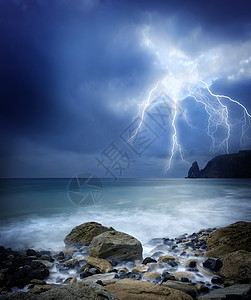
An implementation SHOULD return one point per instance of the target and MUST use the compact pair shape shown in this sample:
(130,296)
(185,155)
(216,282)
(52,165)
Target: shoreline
(179,263)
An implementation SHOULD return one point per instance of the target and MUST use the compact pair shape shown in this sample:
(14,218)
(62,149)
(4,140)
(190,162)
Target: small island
(236,165)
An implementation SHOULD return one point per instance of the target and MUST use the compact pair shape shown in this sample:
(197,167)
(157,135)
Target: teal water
(38,213)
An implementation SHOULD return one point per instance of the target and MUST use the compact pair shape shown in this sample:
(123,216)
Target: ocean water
(39,213)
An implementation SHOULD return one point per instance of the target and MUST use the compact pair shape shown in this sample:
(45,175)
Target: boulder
(237,266)
(182,286)
(78,290)
(116,245)
(38,289)
(238,291)
(126,289)
(73,291)
(228,239)
(83,234)
(101,264)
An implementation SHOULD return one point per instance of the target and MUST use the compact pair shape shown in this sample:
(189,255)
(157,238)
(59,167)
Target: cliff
(224,166)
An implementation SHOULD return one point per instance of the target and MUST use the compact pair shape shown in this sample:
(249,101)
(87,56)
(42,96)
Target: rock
(46,263)
(19,296)
(46,257)
(140,269)
(152,276)
(73,291)
(228,239)
(180,275)
(102,277)
(38,289)
(165,258)
(38,281)
(237,266)
(71,263)
(148,260)
(116,245)
(217,280)
(212,264)
(83,234)
(101,264)
(38,274)
(122,269)
(235,292)
(182,286)
(78,290)
(126,289)
(194,171)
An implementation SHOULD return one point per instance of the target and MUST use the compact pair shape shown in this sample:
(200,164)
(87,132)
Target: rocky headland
(102,263)
(224,166)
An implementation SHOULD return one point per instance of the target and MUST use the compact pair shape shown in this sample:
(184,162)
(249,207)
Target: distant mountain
(224,166)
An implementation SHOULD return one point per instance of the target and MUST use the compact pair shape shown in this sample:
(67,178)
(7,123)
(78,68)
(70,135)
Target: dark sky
(74,73)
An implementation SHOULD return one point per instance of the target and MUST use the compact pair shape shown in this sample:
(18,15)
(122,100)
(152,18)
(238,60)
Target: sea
(39,213)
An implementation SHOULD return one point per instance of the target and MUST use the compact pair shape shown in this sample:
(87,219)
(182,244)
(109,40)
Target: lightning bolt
(218,125)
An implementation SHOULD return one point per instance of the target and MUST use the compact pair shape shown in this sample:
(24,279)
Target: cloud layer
(73,74)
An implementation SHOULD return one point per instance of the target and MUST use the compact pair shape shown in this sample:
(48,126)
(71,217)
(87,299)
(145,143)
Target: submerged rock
(116,245)
(83,234)
(228,239)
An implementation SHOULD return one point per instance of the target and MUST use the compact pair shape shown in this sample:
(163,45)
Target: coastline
(181,264)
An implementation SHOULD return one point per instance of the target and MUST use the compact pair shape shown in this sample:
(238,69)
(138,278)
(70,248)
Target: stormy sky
(74,73)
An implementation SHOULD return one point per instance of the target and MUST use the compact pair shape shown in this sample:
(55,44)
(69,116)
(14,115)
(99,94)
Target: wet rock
(148,260)
(38,289)
(102,277)
(141,290)
(166,258)
(180,275)
(101,264)
(71,263)
(46,257)
(123,269)
(31,252)
(237,266)
(83,234)
(192,264)
(38,274)
(85,274)
(212,264)
(182,286)
(234,292)
(229,239)
(217,280)
(46,263)
(38,281)
(140,269)
(152,277)
(116,245)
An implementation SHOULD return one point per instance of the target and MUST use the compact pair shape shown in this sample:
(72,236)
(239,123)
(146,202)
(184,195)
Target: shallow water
(38,213)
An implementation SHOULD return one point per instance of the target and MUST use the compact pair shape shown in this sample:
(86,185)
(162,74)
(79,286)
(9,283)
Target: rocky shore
(102,263)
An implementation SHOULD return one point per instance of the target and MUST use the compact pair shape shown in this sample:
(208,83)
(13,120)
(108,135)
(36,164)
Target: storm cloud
(73,73)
